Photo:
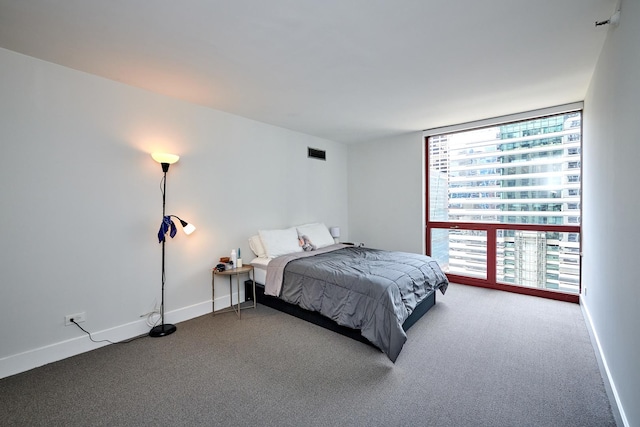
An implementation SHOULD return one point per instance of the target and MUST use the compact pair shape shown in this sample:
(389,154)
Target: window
(516,184)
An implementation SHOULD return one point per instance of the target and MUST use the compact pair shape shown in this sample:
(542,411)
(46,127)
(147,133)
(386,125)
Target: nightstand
(238,307)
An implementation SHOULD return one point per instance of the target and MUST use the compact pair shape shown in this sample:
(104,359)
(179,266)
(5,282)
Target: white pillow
(257,247)
(280,242)
(317,233)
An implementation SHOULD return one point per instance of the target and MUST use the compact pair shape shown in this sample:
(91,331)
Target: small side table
(237,308)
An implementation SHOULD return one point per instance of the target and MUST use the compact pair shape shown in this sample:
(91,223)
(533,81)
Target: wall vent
(314,153)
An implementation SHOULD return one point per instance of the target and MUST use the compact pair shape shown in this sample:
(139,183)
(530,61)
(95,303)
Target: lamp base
(162,330)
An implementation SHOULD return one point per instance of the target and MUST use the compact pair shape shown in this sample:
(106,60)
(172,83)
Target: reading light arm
(186,227)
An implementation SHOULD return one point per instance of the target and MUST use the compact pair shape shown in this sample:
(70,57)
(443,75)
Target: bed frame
(325,322)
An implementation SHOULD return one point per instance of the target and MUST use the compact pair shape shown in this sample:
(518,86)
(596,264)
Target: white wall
(386,193)
(386,204)
(81,204)
(611,202)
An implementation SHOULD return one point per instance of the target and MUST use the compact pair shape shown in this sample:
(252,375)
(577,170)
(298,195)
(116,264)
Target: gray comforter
(367,289)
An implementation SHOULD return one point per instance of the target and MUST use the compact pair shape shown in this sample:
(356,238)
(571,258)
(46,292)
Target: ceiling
(345,70)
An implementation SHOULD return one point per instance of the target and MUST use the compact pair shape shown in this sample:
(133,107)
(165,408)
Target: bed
(368,294)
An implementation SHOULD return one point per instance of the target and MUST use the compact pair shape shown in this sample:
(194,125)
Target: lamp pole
(163,329)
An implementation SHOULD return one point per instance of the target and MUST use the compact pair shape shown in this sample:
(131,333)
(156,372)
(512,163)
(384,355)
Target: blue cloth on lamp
(166,225)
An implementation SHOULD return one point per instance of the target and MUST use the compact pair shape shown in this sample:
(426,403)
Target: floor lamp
(167,225)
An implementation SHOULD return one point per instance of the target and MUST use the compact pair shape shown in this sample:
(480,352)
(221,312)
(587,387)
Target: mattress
(260,269)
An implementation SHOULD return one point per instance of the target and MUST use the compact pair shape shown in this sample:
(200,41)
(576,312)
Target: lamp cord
(110,342)
(163,183)
(155,312)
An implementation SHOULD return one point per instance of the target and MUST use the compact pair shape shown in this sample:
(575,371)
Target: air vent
(314,153)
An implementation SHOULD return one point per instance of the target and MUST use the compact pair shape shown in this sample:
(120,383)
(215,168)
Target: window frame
(492,228)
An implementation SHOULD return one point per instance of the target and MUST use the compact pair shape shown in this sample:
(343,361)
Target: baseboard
(225,300)
(41,356)
(612,392)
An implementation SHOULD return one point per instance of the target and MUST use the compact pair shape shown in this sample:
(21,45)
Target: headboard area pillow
(280,242)
(257,247)
(317,233)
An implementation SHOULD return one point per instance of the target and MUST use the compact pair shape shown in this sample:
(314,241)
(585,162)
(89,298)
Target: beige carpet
(478,358)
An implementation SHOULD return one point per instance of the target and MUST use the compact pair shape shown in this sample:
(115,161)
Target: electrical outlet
(78,318)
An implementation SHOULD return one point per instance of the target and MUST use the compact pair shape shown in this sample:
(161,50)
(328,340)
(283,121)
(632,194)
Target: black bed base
(320,320)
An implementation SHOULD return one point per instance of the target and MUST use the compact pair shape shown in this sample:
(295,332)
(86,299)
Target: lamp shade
(165,158)
(335,232)
(188,228)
